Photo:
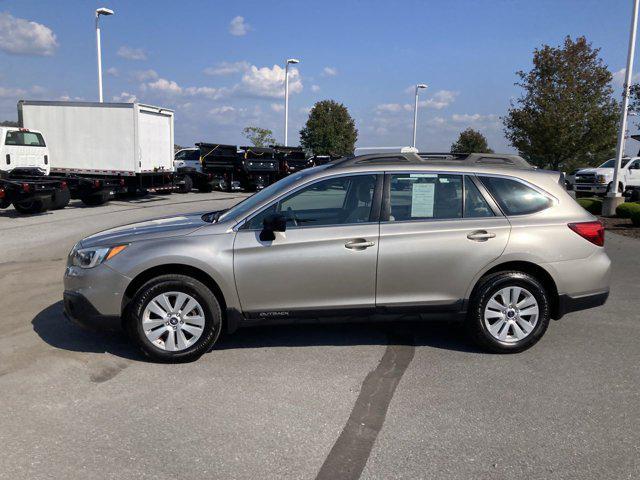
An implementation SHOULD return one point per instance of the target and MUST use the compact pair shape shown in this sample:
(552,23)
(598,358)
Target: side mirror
(275,222)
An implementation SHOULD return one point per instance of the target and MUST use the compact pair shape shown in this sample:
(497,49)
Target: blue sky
(221,73)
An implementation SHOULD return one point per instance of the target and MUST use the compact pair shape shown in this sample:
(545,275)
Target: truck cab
(188,158)
(22,149)
(599,181)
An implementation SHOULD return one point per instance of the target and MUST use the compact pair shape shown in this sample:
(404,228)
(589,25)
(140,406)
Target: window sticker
(422,198)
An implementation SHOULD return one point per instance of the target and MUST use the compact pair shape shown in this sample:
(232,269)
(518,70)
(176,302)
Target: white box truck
(123,145)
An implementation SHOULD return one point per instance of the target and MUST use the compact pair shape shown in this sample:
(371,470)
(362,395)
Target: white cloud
(618,77)
(305,110)
(268,82)
(11,92)
(165,86)
(440,99)
(144,75)
(68,98)
(124,97)
(329,71)
(113,71)
(227,68)
(131,53)
(222,110)
(277,107)
(315,88)
(23,37)
(238,27)
(209,92)
(392,107)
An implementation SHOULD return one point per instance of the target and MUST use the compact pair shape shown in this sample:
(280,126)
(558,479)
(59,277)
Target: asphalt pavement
(374,401)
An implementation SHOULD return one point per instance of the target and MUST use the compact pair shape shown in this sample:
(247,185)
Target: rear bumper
(568,304)
(78,309)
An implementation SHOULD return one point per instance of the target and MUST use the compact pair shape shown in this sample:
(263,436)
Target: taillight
(26,187)
(46,159)
(1,193)
(592,231)
(8,159)
(63,186)
(96,184)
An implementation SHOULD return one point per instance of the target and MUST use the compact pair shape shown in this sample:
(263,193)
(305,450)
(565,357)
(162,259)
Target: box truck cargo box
(124,139)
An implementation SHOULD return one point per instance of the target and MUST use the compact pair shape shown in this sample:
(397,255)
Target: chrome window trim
(239,225)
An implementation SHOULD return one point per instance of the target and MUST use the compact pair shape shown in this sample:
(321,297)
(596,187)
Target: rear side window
(515,198)
(24,139)
(475,206)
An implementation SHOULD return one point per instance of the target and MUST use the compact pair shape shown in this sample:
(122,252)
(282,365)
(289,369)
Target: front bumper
(78,309)
(93,297)
(597,188)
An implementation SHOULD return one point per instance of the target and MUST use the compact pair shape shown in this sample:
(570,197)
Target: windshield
(249,203)
(612,163)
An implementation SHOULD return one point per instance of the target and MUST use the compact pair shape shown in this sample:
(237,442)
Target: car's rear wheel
(509,312)
(174,318)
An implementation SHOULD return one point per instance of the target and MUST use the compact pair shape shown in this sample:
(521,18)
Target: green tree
(471,141)
(330,130)
(566,116)
(259,137)
(9,123)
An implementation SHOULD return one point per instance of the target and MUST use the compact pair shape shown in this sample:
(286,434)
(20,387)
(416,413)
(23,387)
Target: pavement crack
(350,452)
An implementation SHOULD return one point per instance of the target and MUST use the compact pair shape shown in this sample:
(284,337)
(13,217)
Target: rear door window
(514,197)
(424,196)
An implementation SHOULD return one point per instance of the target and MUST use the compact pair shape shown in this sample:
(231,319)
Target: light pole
(100,11)
(286,99)
(415,113)
(614,198)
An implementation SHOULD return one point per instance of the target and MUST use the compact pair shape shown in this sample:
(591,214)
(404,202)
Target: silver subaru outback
(484,239)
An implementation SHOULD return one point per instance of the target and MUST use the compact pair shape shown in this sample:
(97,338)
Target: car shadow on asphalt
(53,327)
(58,331)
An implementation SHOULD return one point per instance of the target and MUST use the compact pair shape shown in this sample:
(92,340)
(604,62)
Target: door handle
(358,244)
(480,236)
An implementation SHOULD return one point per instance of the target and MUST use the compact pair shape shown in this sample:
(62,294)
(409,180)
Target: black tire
(174,283)
(61,198)
(187,186)
(635,195)
(95,199)
(205,188)
(486,289)
(36,205)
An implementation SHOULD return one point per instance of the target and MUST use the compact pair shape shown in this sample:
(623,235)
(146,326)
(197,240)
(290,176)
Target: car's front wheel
(174,318)
(509,312)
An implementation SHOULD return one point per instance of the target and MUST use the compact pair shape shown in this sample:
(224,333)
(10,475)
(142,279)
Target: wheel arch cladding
(532,269)
(176,269)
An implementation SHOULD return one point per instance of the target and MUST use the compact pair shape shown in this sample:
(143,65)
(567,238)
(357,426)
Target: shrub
(635,218)
(591,205)
(625,210)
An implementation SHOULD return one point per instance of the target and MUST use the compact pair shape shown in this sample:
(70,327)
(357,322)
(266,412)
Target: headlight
(90,257)
(601,178)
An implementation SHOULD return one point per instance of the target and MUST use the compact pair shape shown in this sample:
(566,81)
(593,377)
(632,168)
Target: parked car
(599,181)
(373,234)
